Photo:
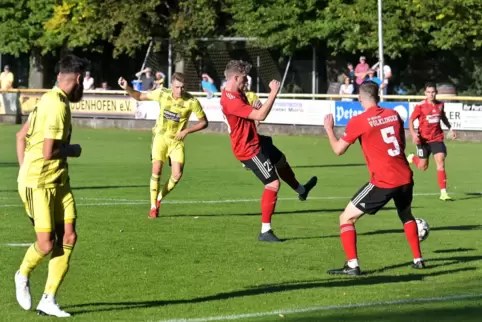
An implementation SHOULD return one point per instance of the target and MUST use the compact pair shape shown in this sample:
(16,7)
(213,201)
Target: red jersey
(382,139)
(242,131)
(429,116)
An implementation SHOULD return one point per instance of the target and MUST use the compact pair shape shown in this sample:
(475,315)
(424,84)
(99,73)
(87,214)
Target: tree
(21,29)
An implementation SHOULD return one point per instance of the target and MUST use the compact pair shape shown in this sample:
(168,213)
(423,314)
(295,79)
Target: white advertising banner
(284,111)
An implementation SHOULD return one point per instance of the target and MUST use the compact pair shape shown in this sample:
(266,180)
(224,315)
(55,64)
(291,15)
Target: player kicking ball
(430,136)
(257,152)
(382,138)
(43,147)
(176,106)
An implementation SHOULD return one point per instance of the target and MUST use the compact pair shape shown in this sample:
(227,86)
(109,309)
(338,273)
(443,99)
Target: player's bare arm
(338,146)
(138,96)
(21,135)
(261,113)
(200,125)
(55,149)
(445,120)
(413,133)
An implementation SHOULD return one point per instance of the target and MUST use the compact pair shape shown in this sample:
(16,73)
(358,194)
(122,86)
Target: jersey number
(388,135)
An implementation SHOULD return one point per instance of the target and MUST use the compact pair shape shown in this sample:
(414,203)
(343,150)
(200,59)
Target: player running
(43,146)
(430,136)
(257,152)
(382,138)
(176,106)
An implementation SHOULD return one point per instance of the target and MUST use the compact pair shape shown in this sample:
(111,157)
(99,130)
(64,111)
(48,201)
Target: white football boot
(49,306)
(22,290)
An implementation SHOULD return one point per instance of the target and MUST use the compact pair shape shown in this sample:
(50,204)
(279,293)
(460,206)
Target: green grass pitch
(201,258)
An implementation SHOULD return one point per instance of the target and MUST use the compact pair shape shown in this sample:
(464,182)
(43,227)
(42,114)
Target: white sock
(301,189)
(443,190)
(153,207)
(48,297)
(265,227)
(415,260)
(352,263)
(22,277)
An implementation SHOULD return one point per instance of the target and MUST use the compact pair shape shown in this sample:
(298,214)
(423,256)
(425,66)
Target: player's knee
(274,185)
(45,245)
(176,175)
(70,238)
(405,215)
(423,167)
(156,167)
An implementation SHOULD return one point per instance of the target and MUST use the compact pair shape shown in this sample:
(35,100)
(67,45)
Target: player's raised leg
(66,238)
(421,159)
(348,239)
(40,210)
(441,175)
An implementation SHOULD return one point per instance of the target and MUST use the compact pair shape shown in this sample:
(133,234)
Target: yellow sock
(58,267)
(154,186)
(32,259)
(168,186)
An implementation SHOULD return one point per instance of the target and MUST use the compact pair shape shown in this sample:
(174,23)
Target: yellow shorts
(164,147)
(48,207)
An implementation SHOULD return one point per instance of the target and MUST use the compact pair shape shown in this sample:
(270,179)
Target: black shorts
(263,164)
(424,150)
(370,198)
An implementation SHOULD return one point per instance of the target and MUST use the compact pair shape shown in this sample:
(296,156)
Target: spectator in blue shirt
(371,78)
(207,84)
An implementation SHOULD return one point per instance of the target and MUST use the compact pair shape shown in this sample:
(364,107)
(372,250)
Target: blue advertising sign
(345,110)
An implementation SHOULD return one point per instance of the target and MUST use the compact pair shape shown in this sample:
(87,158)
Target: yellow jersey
(174,113)
(50,119)
(252,97)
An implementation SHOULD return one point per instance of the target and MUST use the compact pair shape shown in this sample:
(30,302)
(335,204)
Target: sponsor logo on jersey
(168,115)
(433,118)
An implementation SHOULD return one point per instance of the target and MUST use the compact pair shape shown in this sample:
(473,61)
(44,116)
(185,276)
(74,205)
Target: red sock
(268,203)
(348,239)
(411,231)
(287,175)
(416,160)
(442,179)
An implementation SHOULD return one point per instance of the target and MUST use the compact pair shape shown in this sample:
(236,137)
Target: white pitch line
(325,308)
(19,245)
(120,202)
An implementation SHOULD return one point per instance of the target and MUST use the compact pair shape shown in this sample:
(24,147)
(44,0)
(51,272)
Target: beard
(77,93)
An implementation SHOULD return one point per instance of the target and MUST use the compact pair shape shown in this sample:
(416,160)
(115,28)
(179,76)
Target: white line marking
(19,245)
(121,202)
(326,308)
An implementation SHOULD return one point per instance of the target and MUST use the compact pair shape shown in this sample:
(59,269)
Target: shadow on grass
(97,307)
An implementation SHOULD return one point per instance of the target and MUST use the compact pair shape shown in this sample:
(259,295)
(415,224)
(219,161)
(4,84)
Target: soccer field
(201,258)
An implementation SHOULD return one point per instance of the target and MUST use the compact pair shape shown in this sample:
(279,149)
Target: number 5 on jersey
(388,135)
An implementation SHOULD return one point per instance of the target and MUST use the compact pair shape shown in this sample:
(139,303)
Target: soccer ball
(423,229)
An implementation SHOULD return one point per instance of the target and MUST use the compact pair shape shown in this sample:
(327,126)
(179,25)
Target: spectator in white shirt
(346,89)
(88,82)
(387,74)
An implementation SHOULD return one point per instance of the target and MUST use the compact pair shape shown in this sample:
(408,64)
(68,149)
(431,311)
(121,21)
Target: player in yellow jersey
(176,106)
(43,146)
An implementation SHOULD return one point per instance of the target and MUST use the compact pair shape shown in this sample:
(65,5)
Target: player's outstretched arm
(200,125)
(262,113)
(445,120)
(338,146)
(54,149)
(132,92)
(21,135)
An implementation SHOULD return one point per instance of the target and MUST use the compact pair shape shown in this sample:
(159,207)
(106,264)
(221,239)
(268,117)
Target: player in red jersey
(430,136)
(382,138)
(256,151)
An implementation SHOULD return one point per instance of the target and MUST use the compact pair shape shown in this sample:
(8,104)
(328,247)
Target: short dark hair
(237,67)
(370,89)
(177,76)
(429,84)
(72,64)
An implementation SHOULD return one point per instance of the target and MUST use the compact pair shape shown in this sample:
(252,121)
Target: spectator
(361,70)
(347,89)
(104,87)
(6,78)
(350,74)
(88,82)
(147,79)
(372,78)
(207,85)
(387,74)
(159,83)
